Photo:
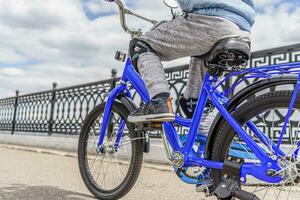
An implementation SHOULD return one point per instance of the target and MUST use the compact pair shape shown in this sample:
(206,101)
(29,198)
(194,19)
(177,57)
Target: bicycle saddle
(229,53)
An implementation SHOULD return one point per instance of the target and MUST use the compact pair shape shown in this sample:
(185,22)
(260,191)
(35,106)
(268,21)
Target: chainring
(193,175)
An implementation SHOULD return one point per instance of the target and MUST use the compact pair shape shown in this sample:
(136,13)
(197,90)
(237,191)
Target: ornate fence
(63,110)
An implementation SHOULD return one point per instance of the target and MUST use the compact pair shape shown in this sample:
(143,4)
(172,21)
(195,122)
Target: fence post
(52,104)
(114,77)
(15,112)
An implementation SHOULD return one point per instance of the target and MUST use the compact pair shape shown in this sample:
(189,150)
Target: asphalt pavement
(28,175)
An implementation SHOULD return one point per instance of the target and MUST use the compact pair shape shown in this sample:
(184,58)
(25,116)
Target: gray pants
(192,35)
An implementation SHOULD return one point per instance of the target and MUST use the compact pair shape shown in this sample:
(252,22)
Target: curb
(68,144)
(160,167)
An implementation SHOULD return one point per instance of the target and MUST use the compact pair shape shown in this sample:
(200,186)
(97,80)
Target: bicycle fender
(131,106)
(127,102)
(239,98)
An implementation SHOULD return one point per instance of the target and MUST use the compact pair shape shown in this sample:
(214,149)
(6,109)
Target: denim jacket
(241,12)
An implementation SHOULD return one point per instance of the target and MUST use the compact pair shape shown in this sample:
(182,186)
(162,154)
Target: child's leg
(197,71)
(154,76)
(189,99)
(191,36)
(194,35)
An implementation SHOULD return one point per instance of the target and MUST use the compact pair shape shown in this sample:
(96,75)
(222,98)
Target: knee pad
(136,48)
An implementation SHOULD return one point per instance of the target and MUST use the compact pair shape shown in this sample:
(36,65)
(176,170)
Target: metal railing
(63,110)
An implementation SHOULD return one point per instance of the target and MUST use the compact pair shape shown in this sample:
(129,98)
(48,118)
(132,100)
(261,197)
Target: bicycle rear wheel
(268,112)
(111,172)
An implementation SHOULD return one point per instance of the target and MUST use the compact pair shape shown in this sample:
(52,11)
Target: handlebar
(123,12)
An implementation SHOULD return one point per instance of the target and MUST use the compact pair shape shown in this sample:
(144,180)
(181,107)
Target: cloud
(68,47)
(278,25)
(11,55)
(12,72)
(96,8)
(74,41)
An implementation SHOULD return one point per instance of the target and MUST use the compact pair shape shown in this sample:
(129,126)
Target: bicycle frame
(219,99)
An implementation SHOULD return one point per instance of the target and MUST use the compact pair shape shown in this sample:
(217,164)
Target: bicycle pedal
(203,189)
(148,126)
(155,125)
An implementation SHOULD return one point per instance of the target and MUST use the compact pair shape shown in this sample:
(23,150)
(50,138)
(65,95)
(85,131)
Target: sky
(74,41)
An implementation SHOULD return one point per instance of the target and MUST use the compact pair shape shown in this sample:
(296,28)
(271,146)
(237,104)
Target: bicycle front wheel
(111,172)
(268,112)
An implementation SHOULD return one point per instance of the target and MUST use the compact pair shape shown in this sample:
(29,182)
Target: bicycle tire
(135,162)
(226,134)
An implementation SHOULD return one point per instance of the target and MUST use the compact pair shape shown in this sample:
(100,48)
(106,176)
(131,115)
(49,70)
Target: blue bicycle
(239,158)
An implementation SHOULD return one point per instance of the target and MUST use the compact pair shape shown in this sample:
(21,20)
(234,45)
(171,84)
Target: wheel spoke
(99,168)
(268,118)
(119,170)
(242,145)
(104,167)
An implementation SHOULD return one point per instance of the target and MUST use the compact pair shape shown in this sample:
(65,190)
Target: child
(204,23)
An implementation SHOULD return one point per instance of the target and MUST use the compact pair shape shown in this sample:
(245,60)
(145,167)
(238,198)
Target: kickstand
(230,184)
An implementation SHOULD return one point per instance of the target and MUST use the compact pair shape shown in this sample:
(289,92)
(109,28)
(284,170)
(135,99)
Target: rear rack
(259,73)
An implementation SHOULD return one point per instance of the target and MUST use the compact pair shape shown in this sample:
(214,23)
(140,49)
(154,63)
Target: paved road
(27,175)
(38,176)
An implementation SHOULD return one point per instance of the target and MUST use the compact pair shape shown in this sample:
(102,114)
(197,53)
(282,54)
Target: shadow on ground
(23,192)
